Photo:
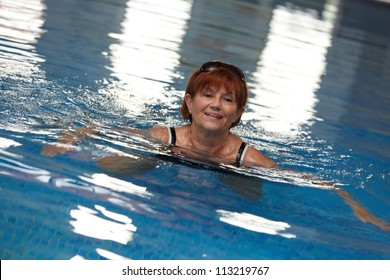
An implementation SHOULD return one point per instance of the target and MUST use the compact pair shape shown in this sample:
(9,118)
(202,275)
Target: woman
(214,101)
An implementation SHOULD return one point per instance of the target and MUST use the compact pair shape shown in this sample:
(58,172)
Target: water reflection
(106,254)
(20,28)
(6,143)
(255,223)
(116,185)
(110,255)
(355,87)
(112,226)
(147,52)
(76,40)
(290,68)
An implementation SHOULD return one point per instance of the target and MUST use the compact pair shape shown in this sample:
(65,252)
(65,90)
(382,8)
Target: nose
(215,104)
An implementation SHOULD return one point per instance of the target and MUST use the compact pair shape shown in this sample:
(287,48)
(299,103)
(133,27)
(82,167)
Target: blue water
(318,74)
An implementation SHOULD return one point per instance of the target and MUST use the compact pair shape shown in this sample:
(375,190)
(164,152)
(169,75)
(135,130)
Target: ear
(188,101)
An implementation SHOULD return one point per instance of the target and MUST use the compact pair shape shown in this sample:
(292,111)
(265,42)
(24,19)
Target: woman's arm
(159,133)
(257,159)
(118,165)
(362,213)
(66,142)
(125,166)
(254,157)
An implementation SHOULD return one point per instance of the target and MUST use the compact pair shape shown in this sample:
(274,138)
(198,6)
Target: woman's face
(214,109)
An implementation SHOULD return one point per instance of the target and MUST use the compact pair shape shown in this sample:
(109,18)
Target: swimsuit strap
(172,136)
(241,154)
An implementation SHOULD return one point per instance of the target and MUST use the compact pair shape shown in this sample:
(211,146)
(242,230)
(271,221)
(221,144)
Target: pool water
(318,74)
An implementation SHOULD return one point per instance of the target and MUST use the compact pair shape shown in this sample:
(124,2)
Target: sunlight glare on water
(154,32)
(20,28)
(290,69)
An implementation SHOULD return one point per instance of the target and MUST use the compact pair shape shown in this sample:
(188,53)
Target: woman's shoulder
(160,133)
(165,134)
(254,157)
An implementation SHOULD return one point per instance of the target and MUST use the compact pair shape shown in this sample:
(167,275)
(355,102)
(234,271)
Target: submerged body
(214,101)
(232,151)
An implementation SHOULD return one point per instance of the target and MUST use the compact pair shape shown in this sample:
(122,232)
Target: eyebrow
(214,89)
(230,94)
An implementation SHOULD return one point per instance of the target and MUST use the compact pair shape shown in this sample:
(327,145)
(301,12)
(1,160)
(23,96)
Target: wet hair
(220,77)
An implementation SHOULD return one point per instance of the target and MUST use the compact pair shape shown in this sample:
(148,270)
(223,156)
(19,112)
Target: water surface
(318,74)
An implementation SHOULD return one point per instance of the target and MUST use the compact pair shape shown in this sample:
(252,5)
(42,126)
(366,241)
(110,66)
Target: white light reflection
(87,223)
(116,185)
(77,258)
(26,169)
(20,128)
(255,223)
(20,27)
(104,253)
(290,68)
(6,143)
(147,51)
(110,255)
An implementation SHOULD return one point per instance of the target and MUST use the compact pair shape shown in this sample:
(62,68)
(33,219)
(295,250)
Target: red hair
(218,78)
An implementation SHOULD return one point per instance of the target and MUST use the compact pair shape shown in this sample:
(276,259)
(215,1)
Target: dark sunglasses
(212,65)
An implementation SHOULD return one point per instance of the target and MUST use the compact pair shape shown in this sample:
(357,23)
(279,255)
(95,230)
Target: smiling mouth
(215,116)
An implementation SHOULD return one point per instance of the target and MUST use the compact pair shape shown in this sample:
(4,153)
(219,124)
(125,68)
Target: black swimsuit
(240,155)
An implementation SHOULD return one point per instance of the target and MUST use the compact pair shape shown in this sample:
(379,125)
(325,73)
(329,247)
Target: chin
(216,127)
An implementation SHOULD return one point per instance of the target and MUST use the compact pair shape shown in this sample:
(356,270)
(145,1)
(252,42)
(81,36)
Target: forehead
(220,89)
(218,83)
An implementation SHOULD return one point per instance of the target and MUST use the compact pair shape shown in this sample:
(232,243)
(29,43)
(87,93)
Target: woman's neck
(207,141)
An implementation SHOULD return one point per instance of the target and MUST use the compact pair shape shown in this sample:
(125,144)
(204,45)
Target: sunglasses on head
(212,65)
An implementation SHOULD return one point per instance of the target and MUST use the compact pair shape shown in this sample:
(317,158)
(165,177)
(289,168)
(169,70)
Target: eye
(207,93)
(229,98)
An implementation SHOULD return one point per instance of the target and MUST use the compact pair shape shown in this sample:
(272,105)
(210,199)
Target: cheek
(198,104)
(235,114)
(233,110)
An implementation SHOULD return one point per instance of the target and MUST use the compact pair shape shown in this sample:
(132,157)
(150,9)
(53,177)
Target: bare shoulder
(159,133)
(254,157)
